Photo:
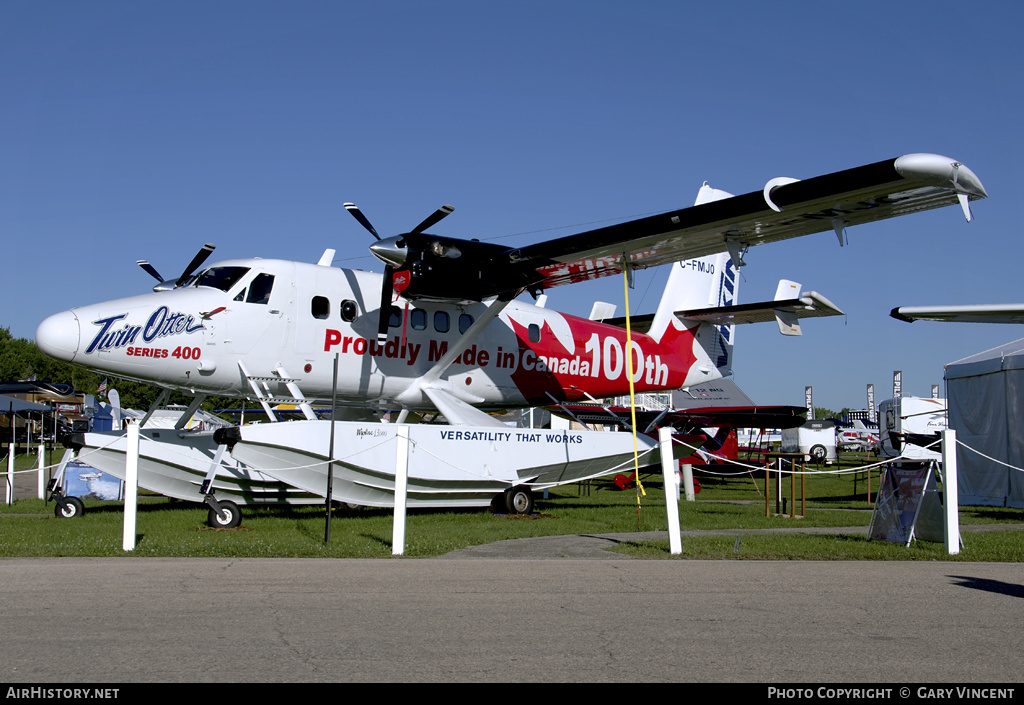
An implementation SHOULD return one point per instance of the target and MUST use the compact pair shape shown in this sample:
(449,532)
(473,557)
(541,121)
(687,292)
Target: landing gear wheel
(75,508)
(519,500)
(818,453)
(227,518)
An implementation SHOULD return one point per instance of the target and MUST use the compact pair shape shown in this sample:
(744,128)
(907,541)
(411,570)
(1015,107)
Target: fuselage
(254,319)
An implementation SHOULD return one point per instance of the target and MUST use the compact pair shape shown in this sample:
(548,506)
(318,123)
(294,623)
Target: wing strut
(432,378)
(564,408)
(161,399)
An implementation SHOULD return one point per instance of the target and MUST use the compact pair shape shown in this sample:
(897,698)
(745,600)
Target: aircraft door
(255,323)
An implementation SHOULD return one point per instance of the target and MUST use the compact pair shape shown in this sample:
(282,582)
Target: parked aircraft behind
(857,436)
(970,313)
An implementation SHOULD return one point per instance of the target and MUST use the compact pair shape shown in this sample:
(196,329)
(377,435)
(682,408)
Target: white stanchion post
(40,480)
(671,480)
(131,487)
(9,483)
(688,482)
(401,490)
(951,495)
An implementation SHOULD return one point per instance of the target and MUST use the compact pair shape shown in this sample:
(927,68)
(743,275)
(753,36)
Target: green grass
(178,529)
(999,546)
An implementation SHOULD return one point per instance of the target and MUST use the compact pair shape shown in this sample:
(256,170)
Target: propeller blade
(200,257)
(150,269)
(434,217)
(386,290)
(358,215)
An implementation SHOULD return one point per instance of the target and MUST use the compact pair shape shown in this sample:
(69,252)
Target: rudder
(707,282)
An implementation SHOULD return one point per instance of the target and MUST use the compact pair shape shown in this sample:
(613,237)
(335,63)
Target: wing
(996,313)
(689,419)
(781,211)
(742,417)
(450,269)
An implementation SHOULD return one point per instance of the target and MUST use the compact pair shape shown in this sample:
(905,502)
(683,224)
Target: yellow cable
(632,398)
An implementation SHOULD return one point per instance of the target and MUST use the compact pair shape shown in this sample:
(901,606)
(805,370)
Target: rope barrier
(986,457)
(759,468)
(746,468)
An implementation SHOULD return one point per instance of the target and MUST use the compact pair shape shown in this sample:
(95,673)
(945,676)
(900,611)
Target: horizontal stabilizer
(787,312)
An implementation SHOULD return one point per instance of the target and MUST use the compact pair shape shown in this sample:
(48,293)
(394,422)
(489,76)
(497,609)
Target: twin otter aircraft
(441,331)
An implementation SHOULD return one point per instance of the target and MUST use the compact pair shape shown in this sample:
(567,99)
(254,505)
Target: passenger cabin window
(394,317)
(320,307)
(259,290)
(349,310)
(465,321)
(418,319)
(222,278)
(441,321)
(534,333)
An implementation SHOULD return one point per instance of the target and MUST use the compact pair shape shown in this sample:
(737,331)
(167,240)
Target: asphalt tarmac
(557,609)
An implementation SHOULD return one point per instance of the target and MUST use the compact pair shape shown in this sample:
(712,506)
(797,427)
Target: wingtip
(895,313)
(935,167)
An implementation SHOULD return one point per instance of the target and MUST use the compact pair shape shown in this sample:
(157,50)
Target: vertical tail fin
(706,282)
(702,283)
(696,284)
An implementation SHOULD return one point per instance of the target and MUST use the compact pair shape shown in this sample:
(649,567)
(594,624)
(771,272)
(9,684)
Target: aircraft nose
(58,336)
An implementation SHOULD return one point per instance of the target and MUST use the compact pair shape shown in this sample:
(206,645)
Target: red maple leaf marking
(548,367)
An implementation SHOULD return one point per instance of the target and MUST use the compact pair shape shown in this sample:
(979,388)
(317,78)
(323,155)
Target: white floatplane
(449,466)
(187,464)
(442,331)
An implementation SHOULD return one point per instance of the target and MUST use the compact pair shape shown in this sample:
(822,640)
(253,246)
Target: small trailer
(910,427)
(816,438)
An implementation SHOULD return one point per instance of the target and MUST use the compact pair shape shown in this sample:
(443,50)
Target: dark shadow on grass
(141,508)
(384,543)
(1002,514)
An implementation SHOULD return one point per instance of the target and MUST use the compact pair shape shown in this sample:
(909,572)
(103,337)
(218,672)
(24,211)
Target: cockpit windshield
(222,278)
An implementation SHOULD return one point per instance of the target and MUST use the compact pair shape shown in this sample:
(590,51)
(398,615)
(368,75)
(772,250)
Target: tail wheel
(228,517)
(73,508)
(519,500)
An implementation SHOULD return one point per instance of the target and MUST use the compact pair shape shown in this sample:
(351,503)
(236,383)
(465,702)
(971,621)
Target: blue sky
(134,130)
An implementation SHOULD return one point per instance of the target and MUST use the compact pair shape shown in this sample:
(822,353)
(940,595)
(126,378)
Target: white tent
(986,409)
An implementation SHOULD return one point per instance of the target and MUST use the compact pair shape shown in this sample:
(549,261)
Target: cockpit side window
(222,278)
(259,290)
